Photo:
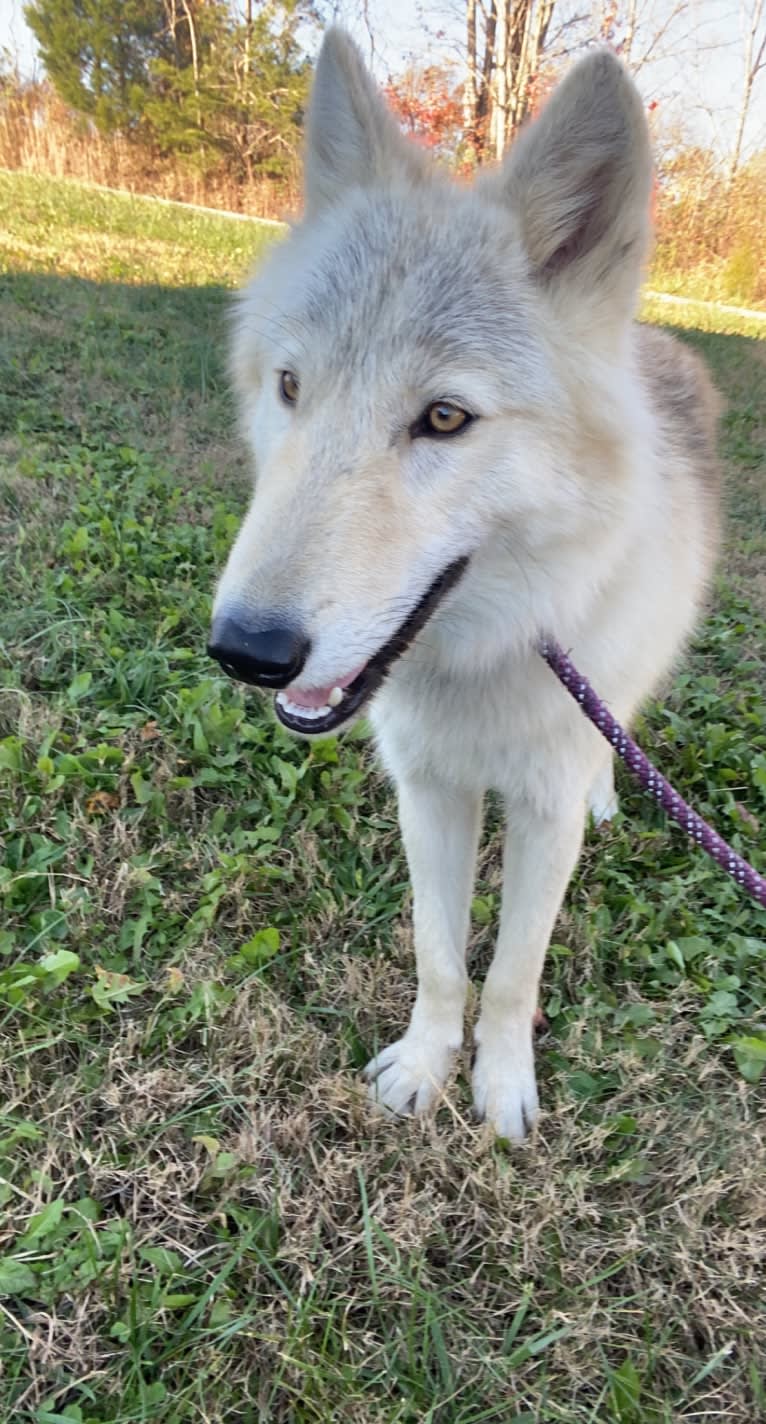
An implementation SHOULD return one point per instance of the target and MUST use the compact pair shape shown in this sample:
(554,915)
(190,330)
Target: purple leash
(650,778)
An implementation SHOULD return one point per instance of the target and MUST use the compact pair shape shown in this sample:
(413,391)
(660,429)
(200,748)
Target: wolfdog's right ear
(353,139)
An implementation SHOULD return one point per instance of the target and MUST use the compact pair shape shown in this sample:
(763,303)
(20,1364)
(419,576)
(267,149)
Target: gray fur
(353,139)
(580,178)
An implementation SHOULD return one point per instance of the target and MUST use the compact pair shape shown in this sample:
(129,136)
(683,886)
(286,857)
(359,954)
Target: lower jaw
(333,719)
(359,693)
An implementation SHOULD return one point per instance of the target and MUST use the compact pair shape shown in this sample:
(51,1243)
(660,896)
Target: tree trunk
(248,35)
(485,86)
(755,60)
(499,109)
(195,56)
(470,90)
(515,33)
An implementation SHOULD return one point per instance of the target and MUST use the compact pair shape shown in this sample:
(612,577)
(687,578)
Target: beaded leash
(650,778)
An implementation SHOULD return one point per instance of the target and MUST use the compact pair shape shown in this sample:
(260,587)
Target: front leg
(440,826)
(540,855)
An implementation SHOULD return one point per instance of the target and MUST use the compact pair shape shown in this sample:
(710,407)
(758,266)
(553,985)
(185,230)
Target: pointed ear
(352,137)
(579,178)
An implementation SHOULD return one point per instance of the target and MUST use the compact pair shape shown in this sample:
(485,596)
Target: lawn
(204,936)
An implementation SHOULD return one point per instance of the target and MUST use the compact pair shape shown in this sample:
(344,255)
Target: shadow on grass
(99,362)
(145,365)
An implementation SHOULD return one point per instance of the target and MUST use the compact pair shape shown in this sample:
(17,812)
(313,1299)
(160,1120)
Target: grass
(204,936)
(698,316)
(72,229)
(734,279)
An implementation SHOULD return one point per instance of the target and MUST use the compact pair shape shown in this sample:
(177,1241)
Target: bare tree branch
(754,63)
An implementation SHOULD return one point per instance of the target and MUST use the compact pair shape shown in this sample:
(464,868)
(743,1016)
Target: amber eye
(443,418)
(288,387)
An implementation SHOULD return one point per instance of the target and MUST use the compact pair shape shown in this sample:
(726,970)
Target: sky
(14,35)
(700,84)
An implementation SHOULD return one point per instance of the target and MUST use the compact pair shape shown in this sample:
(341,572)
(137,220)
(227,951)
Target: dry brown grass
(39,134)
(710,236)
(377,1220)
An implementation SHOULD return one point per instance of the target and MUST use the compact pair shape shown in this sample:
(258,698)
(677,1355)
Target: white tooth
(306,714)
(310,714)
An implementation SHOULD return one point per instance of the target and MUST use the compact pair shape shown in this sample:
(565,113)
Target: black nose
(267,657)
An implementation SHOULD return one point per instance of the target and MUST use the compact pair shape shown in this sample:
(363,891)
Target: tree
(265,91)
(501,82)
(196,78)
(754,34)
(98,54)
(427,104)
(641,31)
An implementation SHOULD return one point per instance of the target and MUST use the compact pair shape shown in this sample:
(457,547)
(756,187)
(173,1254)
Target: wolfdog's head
(424,374)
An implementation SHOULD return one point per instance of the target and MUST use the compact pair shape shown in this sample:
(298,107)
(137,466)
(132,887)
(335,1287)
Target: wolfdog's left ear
(353,139)
(579,178)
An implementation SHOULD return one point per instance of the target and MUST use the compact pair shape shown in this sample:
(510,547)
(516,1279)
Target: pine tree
(194,78)
(98,54)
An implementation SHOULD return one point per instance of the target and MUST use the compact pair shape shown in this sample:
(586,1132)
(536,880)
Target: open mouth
(344,703)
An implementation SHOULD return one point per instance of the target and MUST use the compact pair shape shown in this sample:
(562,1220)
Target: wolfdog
(462,441)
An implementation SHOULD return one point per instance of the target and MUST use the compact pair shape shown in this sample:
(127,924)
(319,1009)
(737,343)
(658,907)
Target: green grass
(73,229)
(204,936)
(734,279)
(699,316)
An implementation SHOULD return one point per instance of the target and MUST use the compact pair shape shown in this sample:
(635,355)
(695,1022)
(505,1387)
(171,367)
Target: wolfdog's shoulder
(685,404)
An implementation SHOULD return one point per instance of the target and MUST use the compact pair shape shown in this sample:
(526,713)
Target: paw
(603,802)
(504,1086)
(603,811)
(408,1076)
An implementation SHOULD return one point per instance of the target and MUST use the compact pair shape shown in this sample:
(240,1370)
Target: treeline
(203,100)
(710,235)
(181,96)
